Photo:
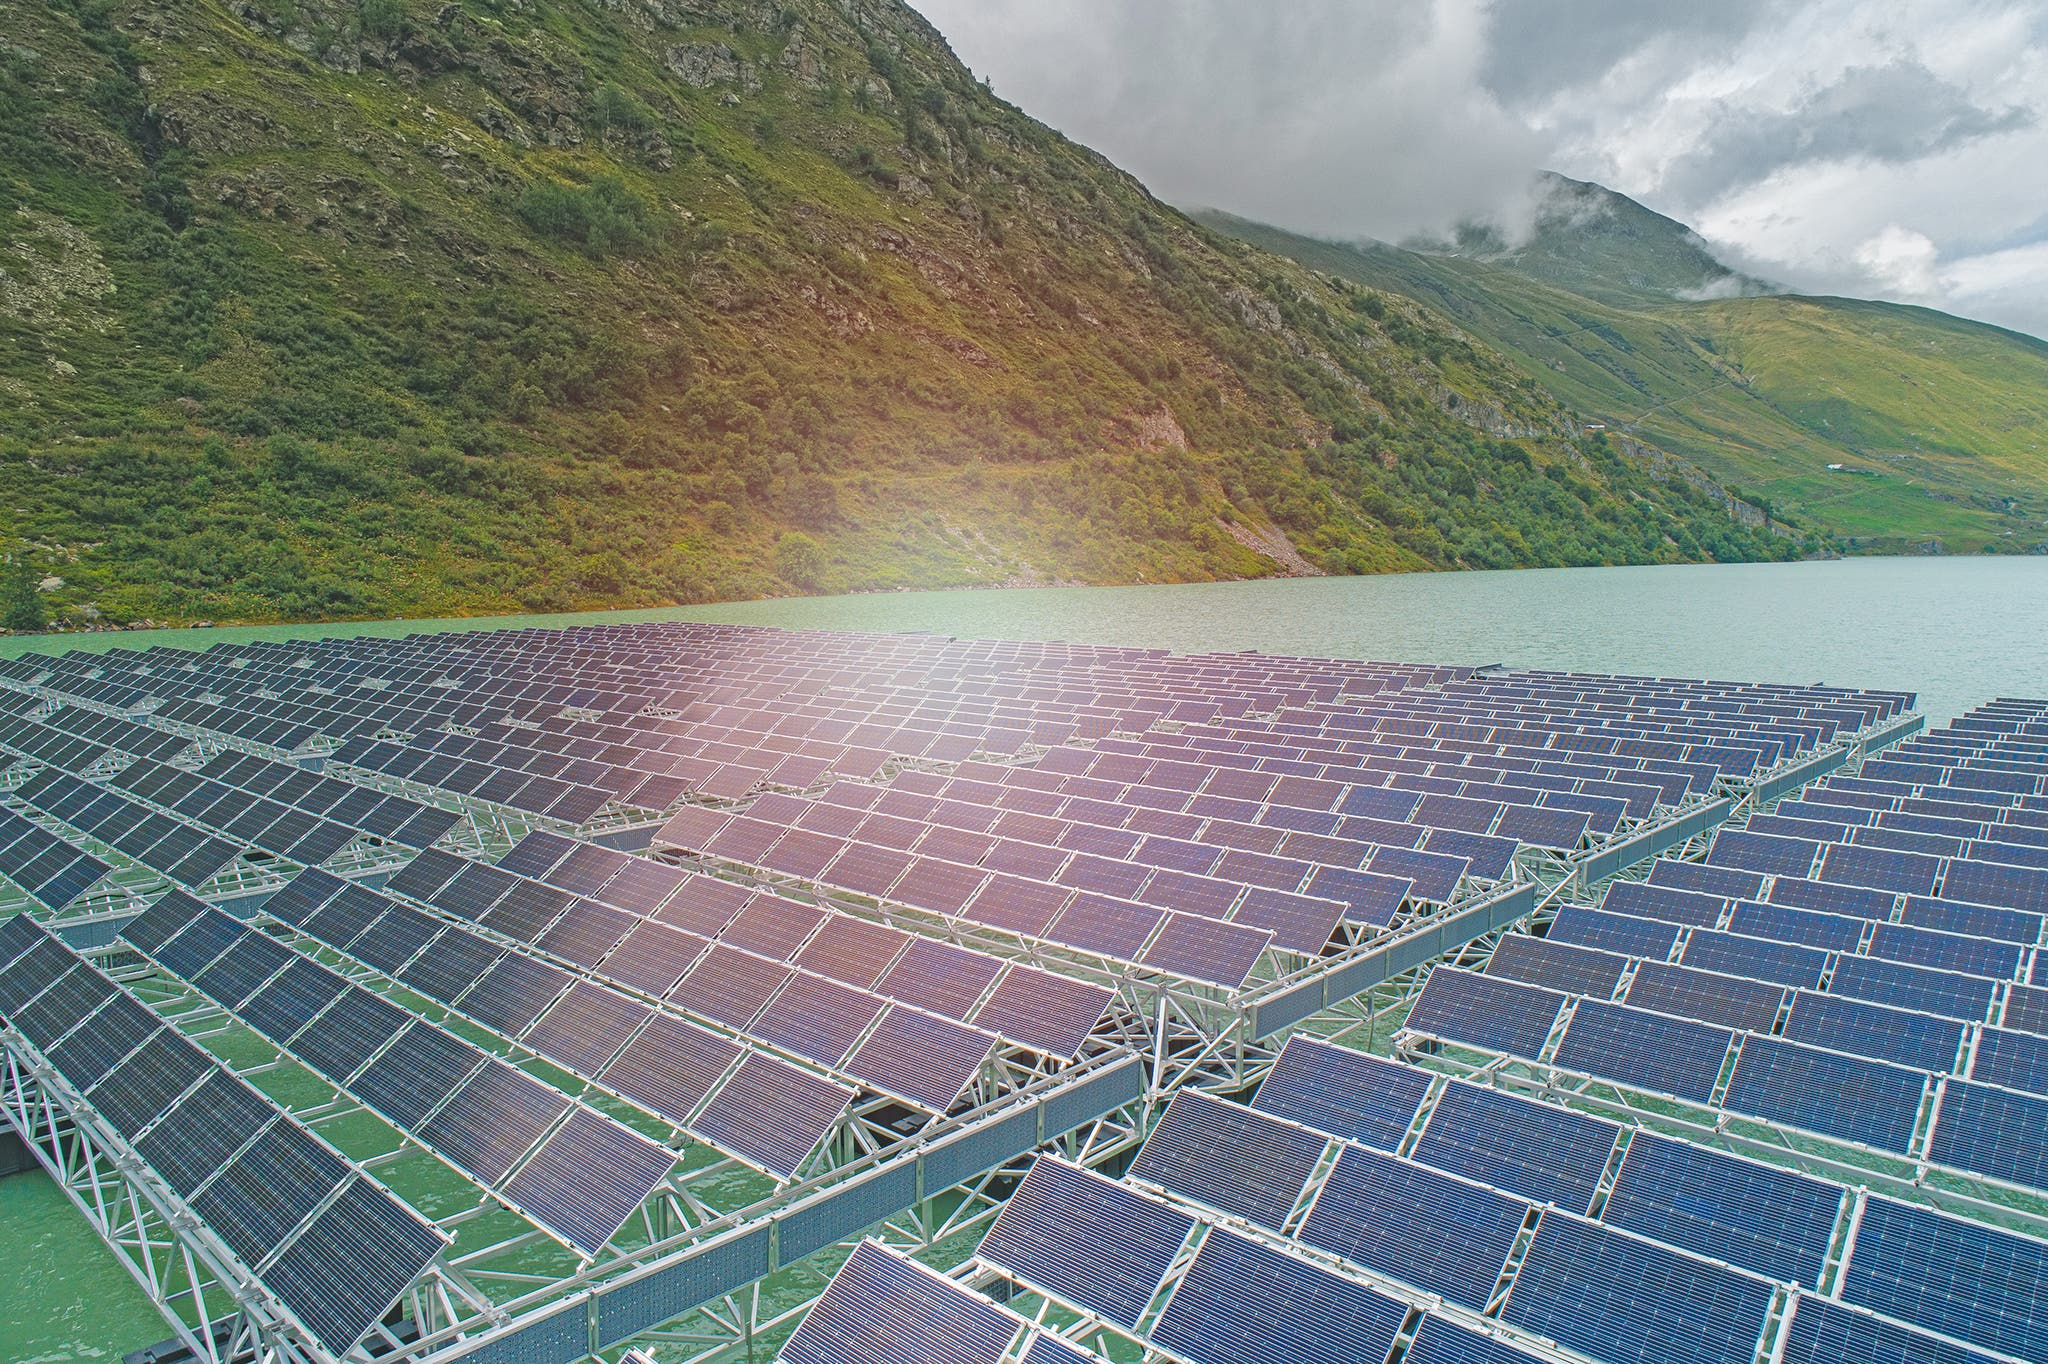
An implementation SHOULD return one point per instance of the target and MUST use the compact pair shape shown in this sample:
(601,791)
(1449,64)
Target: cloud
(1328,116)
(1889,151)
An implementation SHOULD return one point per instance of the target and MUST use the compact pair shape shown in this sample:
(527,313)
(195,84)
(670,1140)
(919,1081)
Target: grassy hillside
(1937,421)
(370,307)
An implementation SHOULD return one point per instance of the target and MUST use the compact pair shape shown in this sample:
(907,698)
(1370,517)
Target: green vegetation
(356,308)
(1936,422)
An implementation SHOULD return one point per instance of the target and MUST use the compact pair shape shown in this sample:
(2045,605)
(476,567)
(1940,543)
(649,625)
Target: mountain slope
(1935,420)
(370,307)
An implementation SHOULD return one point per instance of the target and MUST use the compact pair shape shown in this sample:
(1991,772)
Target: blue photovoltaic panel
(2015,1059)
(588,1178)
(1786,923)
(1483,1011)
(1560,966)
(420,1069)
(1905,986)
(1534,1150)
(1229,1157)
(670,1066)
(1880,868)
(1733,882)
(492,1119)
(1644,1050)
(1764,853)
(926,1060)
(1620,933)
(1645,900)
(1336,1089)
(881,1309)
(344,1037)
(1086,1239)
(343,1272)
(1705,997)
(1992,1131)
(771,1113)
(1991,883)
(1583,1286)
(1824,1332)
(1833,897)
(134,1093)
(1922,1041)
(268,1189)
(1424,1228)
(1871,1102)
(1438,1341)
(1734,955)
(1946,951)
(1961,1279)
(196,1137)
(1242,1303)
(1982,921)
(1754,1216)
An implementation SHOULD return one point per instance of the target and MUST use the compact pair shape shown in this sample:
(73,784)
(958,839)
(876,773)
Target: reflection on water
(1957,630)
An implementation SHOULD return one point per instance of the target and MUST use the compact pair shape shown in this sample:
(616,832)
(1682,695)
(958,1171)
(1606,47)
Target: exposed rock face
(704,65)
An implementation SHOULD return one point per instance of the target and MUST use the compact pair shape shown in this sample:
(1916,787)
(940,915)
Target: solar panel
(1665,1055)
(342,1274)
(1755,1216)
(1962,1279)
(348,1033)
(1992,1131)
(199,1133)
(1730,882)
(928,1061)
(1734,955)
(1870,1102)
(1647,900)
(1438,1341)
(1336,1089)
(509,996)
(1426,1229)
(1729,1001)
(1906,986)
(133,1094)
(1484,1011)
(1631,937)
(1085,1239)
(772,1114)
(1534,1150)
(1048,1013)
(1824,1332)
(1921,1041)
(492,1119)
(103,1041)
(1582,1286)
(883,1309)
(588,1178)
(671,1066)
(415,1073)
(1229,1157)
(260,1196)
(1244,1303)
(1561,966)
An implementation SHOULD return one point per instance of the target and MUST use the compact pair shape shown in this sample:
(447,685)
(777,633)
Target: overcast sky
(1884,150)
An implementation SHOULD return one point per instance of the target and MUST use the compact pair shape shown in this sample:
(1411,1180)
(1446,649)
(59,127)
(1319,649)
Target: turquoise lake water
(1957,631)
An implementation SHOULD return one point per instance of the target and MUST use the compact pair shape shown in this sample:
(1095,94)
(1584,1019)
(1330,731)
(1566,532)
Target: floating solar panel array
(1813,976)
(835,815)
(324,1239)
(1359,1202)
(568,1168)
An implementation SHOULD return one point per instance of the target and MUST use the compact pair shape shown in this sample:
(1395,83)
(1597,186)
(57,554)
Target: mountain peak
(1584,237)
